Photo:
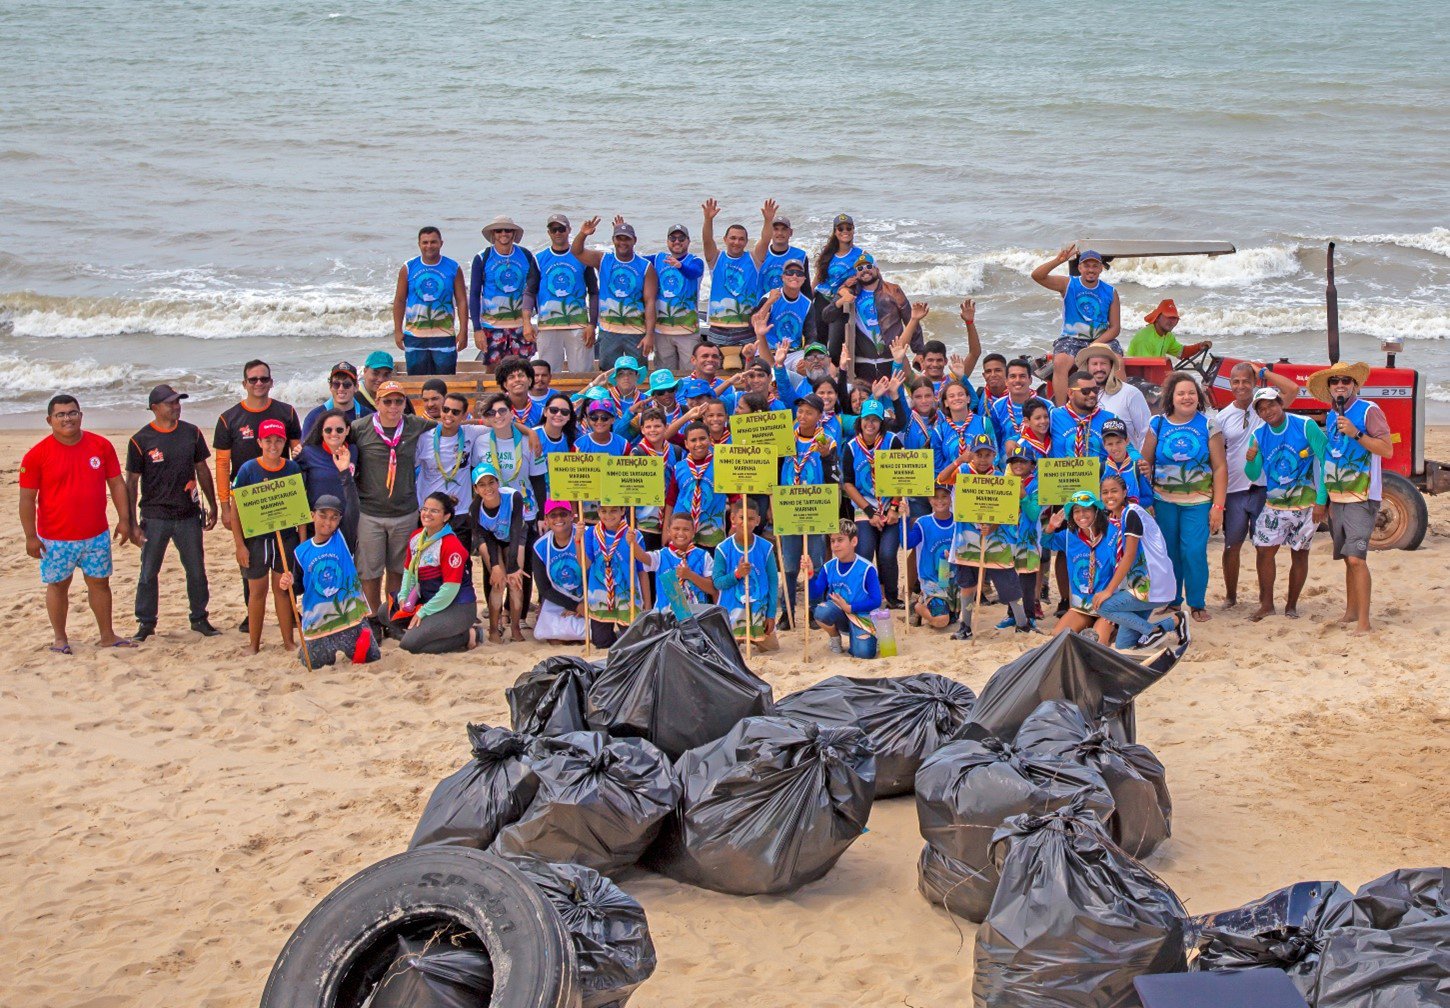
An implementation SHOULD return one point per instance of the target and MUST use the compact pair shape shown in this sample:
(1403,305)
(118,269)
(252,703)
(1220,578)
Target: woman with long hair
(435,611)
(835,264)
(1184,450)
(1092,556)
(328,460)
(1143,578)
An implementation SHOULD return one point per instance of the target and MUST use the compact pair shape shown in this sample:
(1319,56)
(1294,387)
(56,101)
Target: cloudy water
(186,186)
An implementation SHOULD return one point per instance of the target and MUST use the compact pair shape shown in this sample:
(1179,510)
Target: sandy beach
(174,811)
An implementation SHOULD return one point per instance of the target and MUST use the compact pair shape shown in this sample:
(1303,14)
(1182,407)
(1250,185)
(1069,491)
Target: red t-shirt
(71,480)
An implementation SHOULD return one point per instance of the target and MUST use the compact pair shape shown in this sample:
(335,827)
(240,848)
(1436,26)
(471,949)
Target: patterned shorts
(62,556)
(1276,527)
(501,343)
(1073,345)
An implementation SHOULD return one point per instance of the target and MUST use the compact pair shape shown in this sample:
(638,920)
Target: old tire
(342,947)
(1403,518)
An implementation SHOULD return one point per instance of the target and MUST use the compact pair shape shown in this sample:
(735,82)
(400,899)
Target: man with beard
(677,305)
(876,313)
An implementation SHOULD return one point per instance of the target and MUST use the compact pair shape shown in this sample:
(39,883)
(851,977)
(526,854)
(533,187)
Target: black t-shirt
(1133,524)
(236,430)
(166,461)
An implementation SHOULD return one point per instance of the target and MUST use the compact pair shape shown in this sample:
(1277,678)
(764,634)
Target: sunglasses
(557,229)
(451,410)
(343,384)
(600,415)
(557,411)
(863,267)
(499,411)
(1091,390)
(266,380)
(334,430)
(792,272)
(393,401)
(1341,380)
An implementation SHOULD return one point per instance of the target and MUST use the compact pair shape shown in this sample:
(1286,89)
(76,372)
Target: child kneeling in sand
(682,563)
(739,572)
(850,589)
(555,570)
(930,540)
(334,611)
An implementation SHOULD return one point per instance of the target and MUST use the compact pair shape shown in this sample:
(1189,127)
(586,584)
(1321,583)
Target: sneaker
(1062,607)
(895,603)
(245,625)
(833,645)
(1151,638)
(964,632)
(205,628)
(143,631)
(1182,620)
(1028,627)
(1010,621)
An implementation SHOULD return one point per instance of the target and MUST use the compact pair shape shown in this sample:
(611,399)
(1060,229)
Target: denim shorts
(61,557)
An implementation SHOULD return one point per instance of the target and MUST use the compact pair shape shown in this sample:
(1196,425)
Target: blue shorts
(63,556)
(430,355)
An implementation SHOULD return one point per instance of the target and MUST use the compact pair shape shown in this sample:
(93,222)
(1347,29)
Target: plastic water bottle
(885,633)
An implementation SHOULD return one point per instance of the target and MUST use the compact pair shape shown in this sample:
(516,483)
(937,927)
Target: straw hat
(503,223)
(1116,374)
(1318,382)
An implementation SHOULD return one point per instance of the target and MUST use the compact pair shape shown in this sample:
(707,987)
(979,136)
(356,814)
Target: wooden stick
(745,519)
(905,585)
(291,597)
(981,576)
(806,594)
(629,555)
(584,577)
(789,602)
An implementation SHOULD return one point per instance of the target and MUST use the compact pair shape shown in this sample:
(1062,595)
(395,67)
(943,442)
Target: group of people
(409,499)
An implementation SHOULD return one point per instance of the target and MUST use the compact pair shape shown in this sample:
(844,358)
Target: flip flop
(1201,616)
(63,649)
(123,642)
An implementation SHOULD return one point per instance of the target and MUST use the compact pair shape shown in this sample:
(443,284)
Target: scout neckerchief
(960,430)
(607,552)
(724,438)
(458,459)
(424,541)
(1030,436)
(1092,571)
(798,463)
(505,478)
(921,426)
(645,448)
(697,493)
(392,443)
(1015,419)
(685,586)
(522,416)
(1082,439)
(870,454)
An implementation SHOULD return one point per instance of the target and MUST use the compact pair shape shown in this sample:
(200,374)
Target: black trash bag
(549,699)
(817,705)
(679,684)
(1404,896)
(1283,930)
(967,789)
(907,718)
(606,925)
(768,808)
(1075,919)
(600,801)
(1100,681)
(1407,966)
(947,882)
(434,976)
(487,793)
(1143,816)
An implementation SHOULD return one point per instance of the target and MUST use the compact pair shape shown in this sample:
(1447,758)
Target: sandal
(1201,616)
(62,649)
(122,642)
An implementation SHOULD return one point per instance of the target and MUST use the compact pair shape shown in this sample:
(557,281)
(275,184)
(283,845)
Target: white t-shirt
(1238,426)
(1129,406)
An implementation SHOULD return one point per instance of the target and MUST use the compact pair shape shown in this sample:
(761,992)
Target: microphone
(1339,403)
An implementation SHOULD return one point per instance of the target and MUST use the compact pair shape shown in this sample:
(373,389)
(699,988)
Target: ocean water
(186,186)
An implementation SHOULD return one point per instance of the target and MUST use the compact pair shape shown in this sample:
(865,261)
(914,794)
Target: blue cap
(981,441)
(595,392)
(629,364)
(873,408)
(663,380)
(1085,498)
(694,388)
(379,359)
(864,257)
(1087,254)
(484,469)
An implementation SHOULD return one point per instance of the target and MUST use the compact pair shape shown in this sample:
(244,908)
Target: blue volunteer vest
(774,263)
(838,271)
(1086,310)
(787,321)
(1288,464)
(621,294)
(429,308)
(677,308)
(734,290)
(563,301)
(562,565)
(1089,567)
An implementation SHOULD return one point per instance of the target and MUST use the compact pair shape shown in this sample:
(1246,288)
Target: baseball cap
(814,348)
(981,441)
(1087,254)
(388,388)
(873,408)
(327,502)
(678,229)
(842,218)
(694,388)
(271,428)
(625,230)
(663,380)
(793,265)
(629,364)
(1265,394)
(601,406)
(164,393)
(594,393)
(483,469)
(555,505)
(864,257)
(1019,457)
(1085,498)
(379,359)
(813,401)
(343,367)
(1115,426)
(782,220)
(557,218)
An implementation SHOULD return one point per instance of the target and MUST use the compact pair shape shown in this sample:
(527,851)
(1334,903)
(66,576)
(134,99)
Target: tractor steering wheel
(1204,363)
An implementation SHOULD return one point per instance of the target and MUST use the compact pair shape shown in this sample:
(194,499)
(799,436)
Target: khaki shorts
(1350,526)
(382,544)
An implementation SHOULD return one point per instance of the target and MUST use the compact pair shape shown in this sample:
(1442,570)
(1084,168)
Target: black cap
(1115,426)
(165,393)
(327,502)
(343,367)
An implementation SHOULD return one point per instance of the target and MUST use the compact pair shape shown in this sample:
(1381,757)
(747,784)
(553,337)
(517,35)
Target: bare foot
(1261,612)
(1292,613)
(1346,618)
(494,637)
(253,650)
(1361,630)
(1230,602)
(517,636)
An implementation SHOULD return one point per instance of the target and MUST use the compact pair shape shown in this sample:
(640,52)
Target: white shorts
(1278,527)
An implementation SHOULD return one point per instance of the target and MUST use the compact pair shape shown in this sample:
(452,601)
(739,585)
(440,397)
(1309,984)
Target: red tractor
(1398,391)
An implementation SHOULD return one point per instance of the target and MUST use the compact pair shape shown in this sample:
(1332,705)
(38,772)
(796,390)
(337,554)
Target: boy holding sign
(682,562)
(930,540)
(748,579)
(983,548)
(694,487)
(261,555)
(614,577)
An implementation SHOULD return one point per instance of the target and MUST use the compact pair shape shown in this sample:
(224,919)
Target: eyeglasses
(557,411)
(451,410)
(334,430)
(1341,380)
(558,229)
(66,415)
(263,380)
(499,411)
(343,384)
(863,267)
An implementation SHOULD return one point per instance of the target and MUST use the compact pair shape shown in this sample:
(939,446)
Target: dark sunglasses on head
(1341,380)
(451,410)
(557,411)
(264,380)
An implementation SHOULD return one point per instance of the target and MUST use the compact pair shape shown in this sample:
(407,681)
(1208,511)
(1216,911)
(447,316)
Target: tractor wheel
(1403,518)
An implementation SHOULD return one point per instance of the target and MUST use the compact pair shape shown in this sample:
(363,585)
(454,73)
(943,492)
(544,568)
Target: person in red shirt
(63,485)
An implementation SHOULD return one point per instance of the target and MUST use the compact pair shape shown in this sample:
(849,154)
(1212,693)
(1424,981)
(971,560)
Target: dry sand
(174,811)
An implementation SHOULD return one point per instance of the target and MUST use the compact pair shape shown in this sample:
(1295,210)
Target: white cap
(1266,393)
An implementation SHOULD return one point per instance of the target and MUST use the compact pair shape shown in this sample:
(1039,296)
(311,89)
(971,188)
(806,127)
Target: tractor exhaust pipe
(1331,305)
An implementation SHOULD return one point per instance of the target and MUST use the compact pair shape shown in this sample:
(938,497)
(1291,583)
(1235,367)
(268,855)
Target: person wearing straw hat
(427,324)
(1357,437)
(1156,339)
(1116,394)
(498,302)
